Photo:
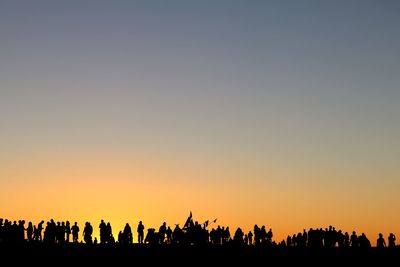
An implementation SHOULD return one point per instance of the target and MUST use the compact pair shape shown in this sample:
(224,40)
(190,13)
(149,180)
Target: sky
(276,113)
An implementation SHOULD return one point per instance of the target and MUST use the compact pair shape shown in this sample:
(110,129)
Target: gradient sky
(283,113)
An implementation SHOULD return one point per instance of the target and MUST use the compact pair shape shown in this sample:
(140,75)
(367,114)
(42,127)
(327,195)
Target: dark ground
(135,255)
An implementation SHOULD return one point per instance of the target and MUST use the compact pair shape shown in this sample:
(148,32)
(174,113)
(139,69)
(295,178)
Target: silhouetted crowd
(330,237)
(192,233)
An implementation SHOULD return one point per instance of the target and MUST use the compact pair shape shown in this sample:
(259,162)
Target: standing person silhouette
(162,231)
(39,230)
(354,240)
(128,234)
(392,240)
(67,230)
(102,228)
(380,242)
(109,235)
(75,232)
(169,235)
(140,231)
(29,232)
(250,237)
(87,233)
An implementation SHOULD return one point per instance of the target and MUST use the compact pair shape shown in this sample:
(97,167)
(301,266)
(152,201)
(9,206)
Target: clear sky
(283,113)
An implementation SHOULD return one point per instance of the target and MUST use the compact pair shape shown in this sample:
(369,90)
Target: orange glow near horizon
(90,188)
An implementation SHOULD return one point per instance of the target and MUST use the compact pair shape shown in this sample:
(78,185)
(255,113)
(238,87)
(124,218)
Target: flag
(188,222)
(214,220)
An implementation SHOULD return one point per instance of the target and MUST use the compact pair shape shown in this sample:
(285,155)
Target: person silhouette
(39,231)
(177,235)
(263,234)
(67,230)
(392,240)
(289,241)
(162,231)
(340,238)
(61,233)
(270,235)
(364,241)
(87,233)
(120,237)
(257,237)
(75,232)
(103,230)
(151,237)
(226,235)
(128,234)
(238,236)
(21,230)
(380,242)
(109,235)
(346,241)
(250,237)
(169,235)
(354,240)
(29,232)
(140,231)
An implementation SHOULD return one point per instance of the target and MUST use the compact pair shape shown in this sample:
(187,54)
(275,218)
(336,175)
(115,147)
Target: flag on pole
(188,222)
